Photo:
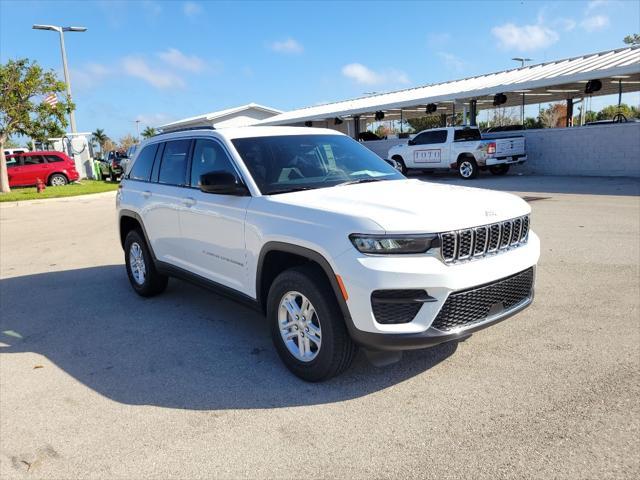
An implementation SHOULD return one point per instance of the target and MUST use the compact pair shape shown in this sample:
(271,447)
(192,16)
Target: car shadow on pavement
(187,348)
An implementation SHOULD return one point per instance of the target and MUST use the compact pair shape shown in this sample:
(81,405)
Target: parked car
(368,136)
(335,246)
(14,151)
(111,165)
(53,168)
(462,149)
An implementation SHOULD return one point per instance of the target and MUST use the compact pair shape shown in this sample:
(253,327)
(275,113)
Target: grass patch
(83,187)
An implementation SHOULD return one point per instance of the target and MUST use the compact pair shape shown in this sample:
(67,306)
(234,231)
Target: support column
(356,126)
(473,104)
(569,121)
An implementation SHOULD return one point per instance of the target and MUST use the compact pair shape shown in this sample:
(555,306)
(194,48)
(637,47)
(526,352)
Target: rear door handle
(189,201)
(146,194)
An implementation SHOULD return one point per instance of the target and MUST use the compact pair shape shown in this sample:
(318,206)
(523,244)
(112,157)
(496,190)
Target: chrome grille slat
(478,242)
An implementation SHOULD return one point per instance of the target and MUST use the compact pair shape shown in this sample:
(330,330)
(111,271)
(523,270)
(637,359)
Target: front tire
(142,273)
(499,169)
(403,167)
(467,168)
(307,326)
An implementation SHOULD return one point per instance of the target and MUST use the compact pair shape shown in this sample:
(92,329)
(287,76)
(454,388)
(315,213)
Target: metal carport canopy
(608,66)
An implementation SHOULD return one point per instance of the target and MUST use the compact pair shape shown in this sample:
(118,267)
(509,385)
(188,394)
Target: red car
(53,168)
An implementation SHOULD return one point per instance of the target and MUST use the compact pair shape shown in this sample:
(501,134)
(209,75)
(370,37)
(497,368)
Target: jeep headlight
(385,244)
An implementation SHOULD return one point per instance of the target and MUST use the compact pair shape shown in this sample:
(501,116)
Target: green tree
(22,85)
(610,111)
(633,39)
(423,123)
(100,137)
(148,132)
(532,123)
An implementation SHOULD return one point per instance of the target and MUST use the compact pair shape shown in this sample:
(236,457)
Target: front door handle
(146,193)
(189,201)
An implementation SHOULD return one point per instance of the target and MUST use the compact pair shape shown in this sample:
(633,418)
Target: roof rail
(186,129)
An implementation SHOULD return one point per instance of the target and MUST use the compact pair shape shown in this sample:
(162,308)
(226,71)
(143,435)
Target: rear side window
(53,158)
(467,135)
(141,169)
(427,138)
(13,162)
(209,156)
(173,168)
(33,159)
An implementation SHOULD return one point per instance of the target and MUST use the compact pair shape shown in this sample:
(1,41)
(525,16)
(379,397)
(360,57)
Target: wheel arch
(275,257)
(129,220)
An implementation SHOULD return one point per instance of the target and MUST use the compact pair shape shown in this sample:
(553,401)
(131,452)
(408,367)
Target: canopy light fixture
(432,107)
(379,115)
(499,99)
(592,86)
(338,121)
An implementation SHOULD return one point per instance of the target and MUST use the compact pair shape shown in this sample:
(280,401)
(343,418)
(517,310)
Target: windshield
(288,163)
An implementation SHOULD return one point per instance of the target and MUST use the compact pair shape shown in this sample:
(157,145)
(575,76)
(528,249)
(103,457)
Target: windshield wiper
(361,180)
(288,190)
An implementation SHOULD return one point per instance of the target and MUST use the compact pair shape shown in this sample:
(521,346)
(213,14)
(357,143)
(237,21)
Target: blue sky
(159,61)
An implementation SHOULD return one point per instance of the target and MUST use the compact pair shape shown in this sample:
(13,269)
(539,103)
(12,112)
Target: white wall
(595,150)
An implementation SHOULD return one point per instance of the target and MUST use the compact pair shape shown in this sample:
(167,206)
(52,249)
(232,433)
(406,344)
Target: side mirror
(222,183)
(411,142)
(394,164)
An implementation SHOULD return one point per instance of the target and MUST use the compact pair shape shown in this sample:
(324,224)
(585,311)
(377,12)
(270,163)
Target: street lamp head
(46,27)
(74,29)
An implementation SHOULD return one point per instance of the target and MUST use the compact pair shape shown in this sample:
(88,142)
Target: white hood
(412,206)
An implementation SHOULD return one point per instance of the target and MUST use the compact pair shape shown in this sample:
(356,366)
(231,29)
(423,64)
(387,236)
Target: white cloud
(567,24)
(191,9)
(153,119)
(594,23)
(525,37)
(152,8)
(138,67)
(289,45)
(365,76)
(593,4)
(89,75)
(452,61)
(179,60)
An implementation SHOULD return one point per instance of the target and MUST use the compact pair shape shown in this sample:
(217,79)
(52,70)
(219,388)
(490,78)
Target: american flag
(51,100)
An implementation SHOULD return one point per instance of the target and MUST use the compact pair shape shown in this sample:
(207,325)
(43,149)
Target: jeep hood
(412,206)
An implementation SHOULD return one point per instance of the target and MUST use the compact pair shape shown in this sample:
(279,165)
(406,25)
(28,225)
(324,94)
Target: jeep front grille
(461,245)
(465,308)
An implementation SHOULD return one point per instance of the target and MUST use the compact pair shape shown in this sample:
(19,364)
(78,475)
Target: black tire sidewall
(329,316)
(473,163)
(58,175)
(147,288)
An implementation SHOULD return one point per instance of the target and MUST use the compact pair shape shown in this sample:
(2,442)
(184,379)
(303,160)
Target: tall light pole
(137,130)
(522,61)
(67,80)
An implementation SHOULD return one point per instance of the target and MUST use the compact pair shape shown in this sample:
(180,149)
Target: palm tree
(148,132)
(101,138)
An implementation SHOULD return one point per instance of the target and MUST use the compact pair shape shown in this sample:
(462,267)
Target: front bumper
(363,275)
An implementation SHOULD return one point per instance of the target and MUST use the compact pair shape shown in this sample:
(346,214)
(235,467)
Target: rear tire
(141,270)
(335,351)
(499,169)
(467,168)
(58,180)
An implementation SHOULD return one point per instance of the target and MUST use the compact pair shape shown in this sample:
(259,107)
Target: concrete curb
(75,198)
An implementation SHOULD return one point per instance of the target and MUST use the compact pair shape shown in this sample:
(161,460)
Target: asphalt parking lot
(96,382)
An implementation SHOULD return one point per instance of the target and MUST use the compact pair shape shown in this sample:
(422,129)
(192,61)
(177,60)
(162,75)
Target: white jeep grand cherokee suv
(334,245)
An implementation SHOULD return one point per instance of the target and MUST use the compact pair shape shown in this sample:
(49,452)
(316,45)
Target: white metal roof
(211,117)
(576,70)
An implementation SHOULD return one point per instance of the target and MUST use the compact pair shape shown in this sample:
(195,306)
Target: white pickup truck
(460,148)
